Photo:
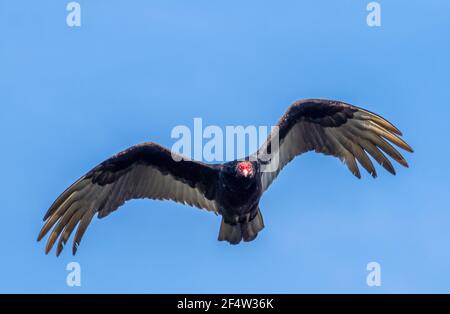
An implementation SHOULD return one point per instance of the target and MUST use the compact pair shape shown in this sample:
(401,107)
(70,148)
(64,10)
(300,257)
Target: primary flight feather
(231,189)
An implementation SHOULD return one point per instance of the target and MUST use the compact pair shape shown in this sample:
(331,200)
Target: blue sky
(72,97)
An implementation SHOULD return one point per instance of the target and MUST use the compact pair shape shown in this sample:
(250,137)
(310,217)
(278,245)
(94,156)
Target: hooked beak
(245,172)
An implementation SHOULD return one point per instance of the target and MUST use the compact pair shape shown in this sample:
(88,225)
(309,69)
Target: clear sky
(72,97)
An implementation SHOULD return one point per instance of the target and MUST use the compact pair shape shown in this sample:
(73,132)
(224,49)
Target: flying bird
(232,189)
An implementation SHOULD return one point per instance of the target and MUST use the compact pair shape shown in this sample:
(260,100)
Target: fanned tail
(246,231)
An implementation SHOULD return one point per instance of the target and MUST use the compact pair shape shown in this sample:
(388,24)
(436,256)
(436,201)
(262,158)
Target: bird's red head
(245,168)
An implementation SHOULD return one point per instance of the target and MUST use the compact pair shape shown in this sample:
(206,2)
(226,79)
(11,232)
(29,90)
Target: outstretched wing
(331,128)
(143,171)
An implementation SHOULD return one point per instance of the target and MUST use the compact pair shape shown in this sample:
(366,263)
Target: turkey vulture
(231,189)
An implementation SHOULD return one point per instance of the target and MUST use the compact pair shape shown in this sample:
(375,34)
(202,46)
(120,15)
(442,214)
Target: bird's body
(233,189)
(238,198)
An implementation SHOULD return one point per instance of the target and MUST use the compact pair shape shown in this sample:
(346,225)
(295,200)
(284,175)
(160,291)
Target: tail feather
(246,231)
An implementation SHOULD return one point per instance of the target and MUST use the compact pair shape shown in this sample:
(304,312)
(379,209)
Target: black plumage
(232,189)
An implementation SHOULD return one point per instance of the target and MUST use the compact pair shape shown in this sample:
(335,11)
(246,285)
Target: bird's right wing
(143,171)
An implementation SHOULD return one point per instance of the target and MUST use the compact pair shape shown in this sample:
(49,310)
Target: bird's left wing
(332,128)
(143,171)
